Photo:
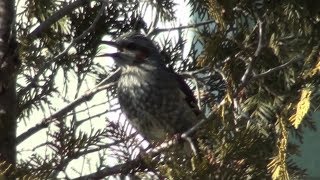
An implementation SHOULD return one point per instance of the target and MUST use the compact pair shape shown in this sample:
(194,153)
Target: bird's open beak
(111,43)
(122,57)
(107,55)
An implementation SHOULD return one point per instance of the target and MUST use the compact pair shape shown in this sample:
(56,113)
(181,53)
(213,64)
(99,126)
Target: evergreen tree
(262,57)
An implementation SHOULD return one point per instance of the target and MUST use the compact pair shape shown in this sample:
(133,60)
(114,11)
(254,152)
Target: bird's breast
(154,104)
(138,95)
(142,99)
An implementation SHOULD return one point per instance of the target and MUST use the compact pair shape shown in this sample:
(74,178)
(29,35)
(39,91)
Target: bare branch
(159,30)
(57,16)
(130,165)
(105,84)
(248,71)
(261,38)
(270,71)
(52,60)
(195,127)
(197,91)
(191,74)
(247,74)
(124,168)
(64,163)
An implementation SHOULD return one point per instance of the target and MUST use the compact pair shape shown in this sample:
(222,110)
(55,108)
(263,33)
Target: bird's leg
(179,138)
(191,144)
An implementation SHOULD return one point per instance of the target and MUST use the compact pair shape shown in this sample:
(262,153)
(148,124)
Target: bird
(157,101)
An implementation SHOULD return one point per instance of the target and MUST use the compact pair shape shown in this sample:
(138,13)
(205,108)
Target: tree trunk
(9,65)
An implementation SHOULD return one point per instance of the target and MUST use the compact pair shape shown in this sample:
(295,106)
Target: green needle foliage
(254,68)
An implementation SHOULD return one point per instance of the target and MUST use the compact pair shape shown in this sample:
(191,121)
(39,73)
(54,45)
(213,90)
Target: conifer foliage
(253,66)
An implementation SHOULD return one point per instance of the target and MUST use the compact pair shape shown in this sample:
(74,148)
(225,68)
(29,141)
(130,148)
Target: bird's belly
(145,110)
(153,132)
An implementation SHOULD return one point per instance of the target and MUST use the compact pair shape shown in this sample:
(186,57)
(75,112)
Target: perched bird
(157,101)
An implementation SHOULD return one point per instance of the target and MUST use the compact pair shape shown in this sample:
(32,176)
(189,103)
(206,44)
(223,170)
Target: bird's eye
(131,46)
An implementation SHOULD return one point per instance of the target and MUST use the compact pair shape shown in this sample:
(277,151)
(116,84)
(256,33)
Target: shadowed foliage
(253,67)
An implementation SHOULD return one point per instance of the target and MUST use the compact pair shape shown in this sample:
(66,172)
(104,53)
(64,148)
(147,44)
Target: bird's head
(133,49)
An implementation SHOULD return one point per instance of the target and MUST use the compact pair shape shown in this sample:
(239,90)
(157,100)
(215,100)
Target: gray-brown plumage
(157,101)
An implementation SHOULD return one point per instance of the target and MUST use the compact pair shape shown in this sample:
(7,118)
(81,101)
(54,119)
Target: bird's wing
(189,96)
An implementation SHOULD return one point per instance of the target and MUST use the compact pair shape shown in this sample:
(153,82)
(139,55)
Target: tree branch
(124,168)
(128,166)
(159,30)
(52,60)
(191,74)
(9,65)
(105,84)
(246,75)
(64,162)
(57,16)
(270,71)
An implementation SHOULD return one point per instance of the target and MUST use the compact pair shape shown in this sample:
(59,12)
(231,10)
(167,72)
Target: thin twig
(224,77)
(154,22)
(261,38)
(57,16)
(55,58)
(270,71)
(247,74)
(84,33)
(105,84)
(196,126)
(159,30)
(248,71)
(64,163)
(197,91)
(128,166)
(192,73)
